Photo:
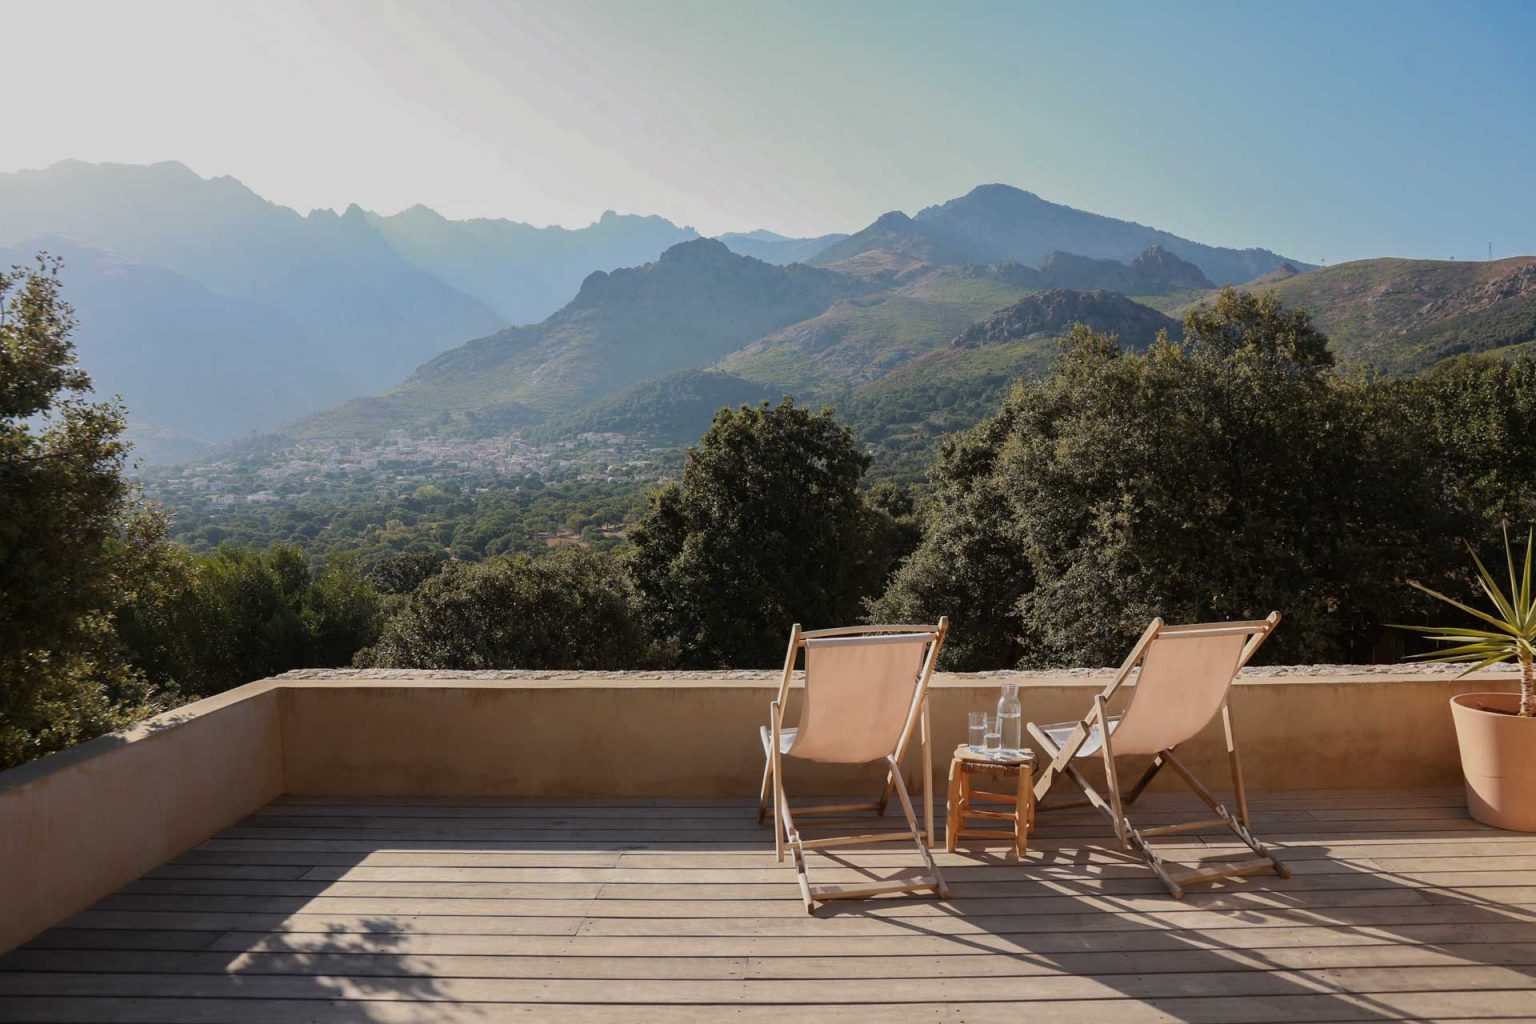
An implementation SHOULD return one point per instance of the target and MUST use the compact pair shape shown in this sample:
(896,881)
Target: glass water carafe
(1011,718)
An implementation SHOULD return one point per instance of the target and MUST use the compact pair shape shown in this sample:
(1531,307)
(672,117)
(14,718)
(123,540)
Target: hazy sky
(1328,130)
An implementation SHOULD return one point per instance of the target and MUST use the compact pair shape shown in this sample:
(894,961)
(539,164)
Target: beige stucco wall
(696,735)
(80,824)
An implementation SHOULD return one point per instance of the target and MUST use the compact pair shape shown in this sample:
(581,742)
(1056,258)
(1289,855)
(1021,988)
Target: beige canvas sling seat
(866,692)
(1183,675)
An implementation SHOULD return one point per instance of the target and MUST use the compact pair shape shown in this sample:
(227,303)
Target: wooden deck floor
(1401,908)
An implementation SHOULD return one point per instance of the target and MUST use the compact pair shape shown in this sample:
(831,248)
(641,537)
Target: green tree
(341,612)
(244,620)
(969,563)
(239,614)
(75,543)
(571,608)
(895,527)
(767,527)
(1218,477)
(404,572)
(1483,410)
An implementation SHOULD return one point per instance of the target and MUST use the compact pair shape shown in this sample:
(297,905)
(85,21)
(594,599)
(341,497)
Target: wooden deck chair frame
(1097,723)
(773,797)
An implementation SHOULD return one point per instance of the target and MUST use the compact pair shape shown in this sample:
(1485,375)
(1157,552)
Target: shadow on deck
(313,909)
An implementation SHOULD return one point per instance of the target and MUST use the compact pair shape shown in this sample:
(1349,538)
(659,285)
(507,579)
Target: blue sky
(1326,131)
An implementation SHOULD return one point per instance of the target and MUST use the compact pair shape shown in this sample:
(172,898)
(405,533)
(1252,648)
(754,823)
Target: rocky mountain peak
(1052,313)
(1170,273)
(698,251)
(892,221)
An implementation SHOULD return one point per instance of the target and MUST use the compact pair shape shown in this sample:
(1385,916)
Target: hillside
(655,350)
(1284,272)
(995,223)
(692,306)
(865,336)
(1156,271)
(899,406)
(1051,314)
(672,409)
(894,242)
(903,256)
(1402,316)
(903,414)
(522,272)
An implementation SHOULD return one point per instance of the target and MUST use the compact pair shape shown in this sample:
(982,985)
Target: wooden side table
(966,766)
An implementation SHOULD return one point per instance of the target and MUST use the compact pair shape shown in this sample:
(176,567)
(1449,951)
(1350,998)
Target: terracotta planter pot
(1498,760)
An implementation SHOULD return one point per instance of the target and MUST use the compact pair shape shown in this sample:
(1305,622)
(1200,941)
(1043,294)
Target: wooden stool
(967,765)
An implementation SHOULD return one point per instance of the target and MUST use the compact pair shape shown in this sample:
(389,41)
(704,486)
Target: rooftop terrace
(204,868)
(350,910)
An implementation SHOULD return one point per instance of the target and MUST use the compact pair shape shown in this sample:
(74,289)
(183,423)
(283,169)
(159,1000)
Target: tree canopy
(1222,476)
(75,544)
(1483,411)
(767,527)
(572,608)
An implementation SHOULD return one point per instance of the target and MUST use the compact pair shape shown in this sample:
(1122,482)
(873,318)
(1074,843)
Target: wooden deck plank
(1020,964)
(1259,798)
(1323,857)
(691,880)
(896,948)
(745,821)
(1084,916)
(1044,898)
(1500,1007)
(575,835)
(1237,898)
(1414,926)
(1045,842)
(894,919)
(770,884)
(1019,988)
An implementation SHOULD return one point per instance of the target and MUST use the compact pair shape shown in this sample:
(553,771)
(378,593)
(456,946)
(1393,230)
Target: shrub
(569,609)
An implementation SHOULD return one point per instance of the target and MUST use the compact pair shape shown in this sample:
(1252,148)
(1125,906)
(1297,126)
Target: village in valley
(265,470)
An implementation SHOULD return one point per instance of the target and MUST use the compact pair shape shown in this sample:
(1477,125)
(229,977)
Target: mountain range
(331,279)
(904,355)
(694,304)
(993,223)
(215,312)
(658,348)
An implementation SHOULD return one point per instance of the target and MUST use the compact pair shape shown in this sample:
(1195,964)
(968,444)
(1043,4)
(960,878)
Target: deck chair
(1185,675)
(866,690)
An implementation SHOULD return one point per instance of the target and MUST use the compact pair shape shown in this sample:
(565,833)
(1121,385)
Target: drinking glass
(978,721)
(992,740)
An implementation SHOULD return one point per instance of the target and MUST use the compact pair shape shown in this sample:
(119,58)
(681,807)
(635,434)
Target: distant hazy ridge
(216,312)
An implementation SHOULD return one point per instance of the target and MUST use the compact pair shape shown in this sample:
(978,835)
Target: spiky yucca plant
(1513,637)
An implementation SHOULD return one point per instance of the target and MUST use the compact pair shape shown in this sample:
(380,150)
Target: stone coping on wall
(1254,674)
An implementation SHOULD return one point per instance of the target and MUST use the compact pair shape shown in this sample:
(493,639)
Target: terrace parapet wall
(80,824)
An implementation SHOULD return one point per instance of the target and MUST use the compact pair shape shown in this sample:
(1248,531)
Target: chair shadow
(1307,946)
